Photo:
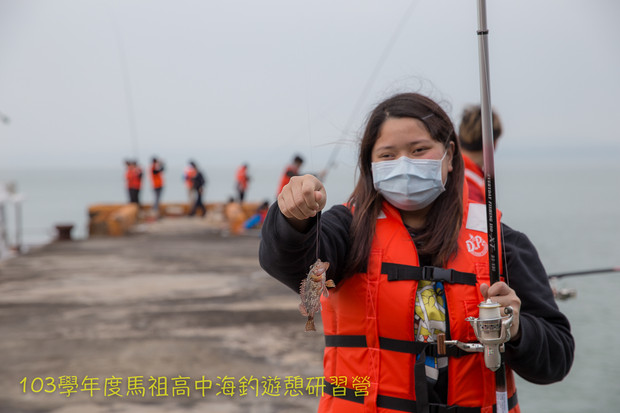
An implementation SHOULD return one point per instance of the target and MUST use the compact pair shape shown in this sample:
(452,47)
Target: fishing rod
(491,329)
(489,179)
(331,162)
(129,103)
(585,272)
(566,293)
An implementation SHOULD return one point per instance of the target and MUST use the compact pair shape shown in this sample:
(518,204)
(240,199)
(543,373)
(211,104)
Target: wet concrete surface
(174,304)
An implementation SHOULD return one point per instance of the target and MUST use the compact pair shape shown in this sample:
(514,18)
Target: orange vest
(370,361)
(242,178)
(134,177)
(189,175)
(291,169)
(474,176)
(128,176)
(157,178)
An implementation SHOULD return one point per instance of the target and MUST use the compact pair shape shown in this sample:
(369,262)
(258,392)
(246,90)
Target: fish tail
(310,324)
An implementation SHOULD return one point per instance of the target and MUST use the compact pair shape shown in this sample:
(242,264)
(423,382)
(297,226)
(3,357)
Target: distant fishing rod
(566,293)
(366,90)
(585,272)
(129,103)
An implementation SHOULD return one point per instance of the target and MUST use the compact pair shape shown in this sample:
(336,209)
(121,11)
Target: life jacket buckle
(437,274)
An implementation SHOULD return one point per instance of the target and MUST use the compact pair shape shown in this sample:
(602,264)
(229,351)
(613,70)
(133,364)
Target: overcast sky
(89,83)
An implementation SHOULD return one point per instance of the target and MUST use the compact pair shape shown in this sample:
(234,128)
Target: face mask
(409,184)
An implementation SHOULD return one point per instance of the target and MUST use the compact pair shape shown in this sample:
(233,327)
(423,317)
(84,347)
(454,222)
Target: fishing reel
(492,331)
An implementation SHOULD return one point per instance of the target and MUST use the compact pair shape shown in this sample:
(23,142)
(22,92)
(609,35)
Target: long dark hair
(438,238)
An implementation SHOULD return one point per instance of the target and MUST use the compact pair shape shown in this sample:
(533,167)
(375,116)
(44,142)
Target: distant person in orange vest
(157,179)
(134,181)
(242,178)
(198,183)
(188,176)
(290,171)
(470,138)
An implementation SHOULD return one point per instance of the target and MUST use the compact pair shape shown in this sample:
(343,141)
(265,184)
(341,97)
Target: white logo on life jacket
(477,245)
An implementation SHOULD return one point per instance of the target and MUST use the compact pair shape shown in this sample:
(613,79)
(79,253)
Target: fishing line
(304,41)
(318,233)
(504,261)
(309,126)
(120,46)
(370,82)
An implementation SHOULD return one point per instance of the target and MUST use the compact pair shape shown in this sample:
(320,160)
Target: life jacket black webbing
(405,405)
(402,272)
(401,346)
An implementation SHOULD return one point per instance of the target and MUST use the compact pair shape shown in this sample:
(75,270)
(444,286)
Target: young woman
(408,255)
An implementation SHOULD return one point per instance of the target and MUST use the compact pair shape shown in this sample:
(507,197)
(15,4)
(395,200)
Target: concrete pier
(147,322)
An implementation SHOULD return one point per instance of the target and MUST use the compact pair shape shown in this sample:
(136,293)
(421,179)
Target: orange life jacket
(290,170)
(134,176)
(474,176)
(370,360)
(157,178)
(189,174)
(242,178)
(128,174)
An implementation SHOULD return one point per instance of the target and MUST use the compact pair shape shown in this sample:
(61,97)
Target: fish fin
(302,309)
(330,284)
(302,287)
(310,324)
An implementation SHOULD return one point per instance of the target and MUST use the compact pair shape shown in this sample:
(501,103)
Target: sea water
(569,210)
(62,196)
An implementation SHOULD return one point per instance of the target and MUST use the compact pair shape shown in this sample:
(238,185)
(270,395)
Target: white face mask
(409,184)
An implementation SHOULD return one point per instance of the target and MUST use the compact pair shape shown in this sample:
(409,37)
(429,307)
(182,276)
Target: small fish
(311,289)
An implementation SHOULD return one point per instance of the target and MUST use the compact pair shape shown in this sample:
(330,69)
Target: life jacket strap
(402,272)
(405,405)
(401,346)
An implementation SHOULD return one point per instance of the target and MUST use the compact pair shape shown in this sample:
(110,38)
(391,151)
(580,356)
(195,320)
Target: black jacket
(199,180)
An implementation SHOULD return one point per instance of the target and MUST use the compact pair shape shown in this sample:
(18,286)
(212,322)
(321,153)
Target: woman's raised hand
(302,198)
